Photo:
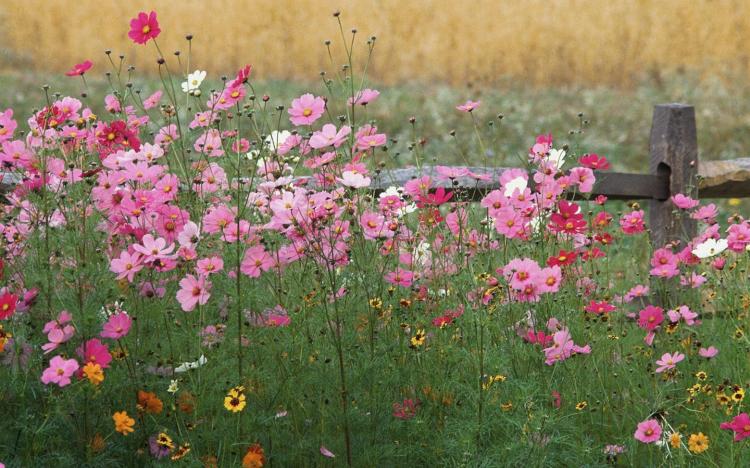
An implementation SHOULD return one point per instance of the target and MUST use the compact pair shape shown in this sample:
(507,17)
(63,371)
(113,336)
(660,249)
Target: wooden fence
(674,168)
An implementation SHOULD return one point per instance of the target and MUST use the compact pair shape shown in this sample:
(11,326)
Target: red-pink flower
(740,424)
(632,223)
(117,326)
(602,307)
(95,352)
(8,303)
(650,317)
(79,69)
(648,431)
(193,291)
(59,371)
(144,27)
(405,410)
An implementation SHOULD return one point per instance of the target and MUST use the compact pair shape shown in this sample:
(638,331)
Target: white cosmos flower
(193,82)
(276,139)
(557,156)
(519,183)
(710,248)
(186,366)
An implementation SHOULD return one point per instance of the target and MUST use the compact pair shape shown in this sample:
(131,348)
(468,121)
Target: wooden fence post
(674,153)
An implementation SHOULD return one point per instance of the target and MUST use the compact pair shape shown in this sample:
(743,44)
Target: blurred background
(540,63)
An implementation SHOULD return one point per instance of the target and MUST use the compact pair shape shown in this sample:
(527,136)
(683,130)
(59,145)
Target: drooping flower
(648,431)
(144,27)
(123,423)
(59,371)
(79,69)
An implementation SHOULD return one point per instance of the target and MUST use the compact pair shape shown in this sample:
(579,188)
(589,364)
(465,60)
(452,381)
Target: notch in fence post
(674,154)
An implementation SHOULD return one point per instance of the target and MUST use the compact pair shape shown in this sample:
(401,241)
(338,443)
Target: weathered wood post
(674,154)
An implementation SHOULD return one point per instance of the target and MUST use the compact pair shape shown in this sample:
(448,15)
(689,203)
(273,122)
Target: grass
(614,122)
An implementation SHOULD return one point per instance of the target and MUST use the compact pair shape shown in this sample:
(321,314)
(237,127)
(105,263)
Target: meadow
(196,271)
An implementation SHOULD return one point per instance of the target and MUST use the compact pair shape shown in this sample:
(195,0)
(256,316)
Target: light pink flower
(668,361)
(469,106)
(59,371)
(306,109)
(127,265)
(117,326)
(329,136)
(154,249)
(709,352)
(684,202)
(193,291)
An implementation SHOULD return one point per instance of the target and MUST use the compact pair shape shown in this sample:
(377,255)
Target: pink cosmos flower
(207,266)
(598,308)
(59,371)
(405,410)
(193,291)
(709,352)
(469,106)
(329,136)
(154,249)
(144,27)
(306,109)
(354,180)
(648,431)
(79,69)
(668,361)
(152,101)
(58,331)
(366,142)
(740,424)
(363,97)
(117,326)
(400,277)
(256,261)
(650,317)
(684,202)
(326,453)
(127,265)
(632,223)
(7,125)
(706,214)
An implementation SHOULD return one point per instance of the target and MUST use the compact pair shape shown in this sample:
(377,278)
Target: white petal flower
(194,81)
(186,366)
(710,248)
(519,183)
(276,139)
(557,156)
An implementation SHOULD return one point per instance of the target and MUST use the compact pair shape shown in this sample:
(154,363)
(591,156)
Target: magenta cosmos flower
(117,326)
(59,371)
(648,431)
(740,424)
(79,69)
(193,291)
(306,109)
(144,27)
(668,361)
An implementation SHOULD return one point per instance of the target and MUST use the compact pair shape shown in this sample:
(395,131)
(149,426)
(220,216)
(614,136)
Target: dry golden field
(541,42)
